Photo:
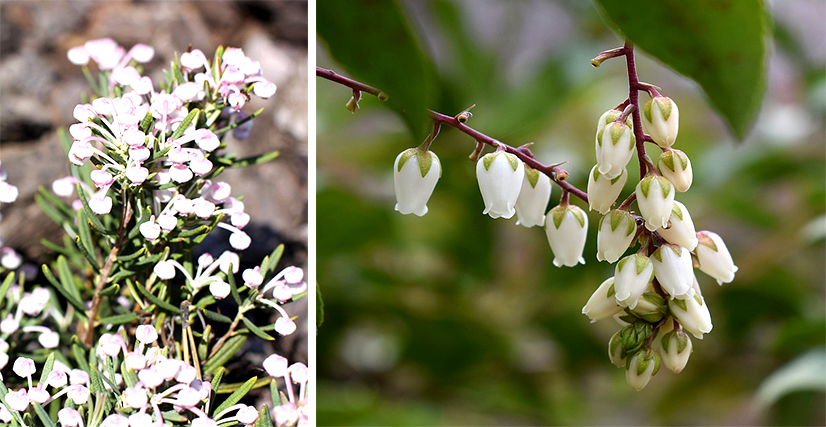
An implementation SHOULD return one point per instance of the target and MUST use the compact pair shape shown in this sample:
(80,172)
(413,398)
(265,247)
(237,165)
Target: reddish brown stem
(338,78)
(634,97)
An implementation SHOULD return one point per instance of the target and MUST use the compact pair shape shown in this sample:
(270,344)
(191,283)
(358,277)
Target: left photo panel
(154,214)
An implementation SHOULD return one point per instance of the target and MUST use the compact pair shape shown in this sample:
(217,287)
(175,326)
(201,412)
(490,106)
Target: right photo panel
(570,213)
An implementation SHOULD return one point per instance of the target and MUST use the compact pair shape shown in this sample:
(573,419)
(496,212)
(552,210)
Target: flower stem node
(693,315)
(655,198)
(641,368)
(714,257)
(415,174)
(615,352)
(602,192)
(533,198)
(651,307)
(567,227)
(676,167)
(681,231)
(662,120)
(674,269)
(676,349)
(614,148)
(632,276)
(602,303)
(616,232)
(500,177)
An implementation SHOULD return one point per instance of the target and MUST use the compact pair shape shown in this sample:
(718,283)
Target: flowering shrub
(653,295)
(128,331)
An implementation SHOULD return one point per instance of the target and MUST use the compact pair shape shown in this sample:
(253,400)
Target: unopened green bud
(635,336)
(615,351)
(651,307)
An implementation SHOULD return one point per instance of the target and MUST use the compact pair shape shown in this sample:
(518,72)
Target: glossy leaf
(379,49)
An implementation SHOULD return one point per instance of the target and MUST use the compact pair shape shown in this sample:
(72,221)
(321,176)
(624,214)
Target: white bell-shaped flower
(615,352)
(533,198)
(616,232)
(674,269)
(611,116)
(602,192)
(642,366)
(662,120)
(714,257)
(676,349)
(681,229)
(415,174)
(567,227)
(500,177)
(602,303)
(655,197)
(632,276)
(693,314)
(614,148)
(675,166)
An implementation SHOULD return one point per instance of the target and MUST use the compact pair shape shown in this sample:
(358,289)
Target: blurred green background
(458,319)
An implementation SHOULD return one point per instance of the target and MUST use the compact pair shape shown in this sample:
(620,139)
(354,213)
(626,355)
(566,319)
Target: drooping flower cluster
(656,286)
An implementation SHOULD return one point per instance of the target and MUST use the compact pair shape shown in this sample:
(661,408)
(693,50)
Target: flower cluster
(655,287)
(122,340)
(9,258)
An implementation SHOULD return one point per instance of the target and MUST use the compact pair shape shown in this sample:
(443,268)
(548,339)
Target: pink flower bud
(298,372)
(187,91)
(146,334)
(247,415)
(135,361)
(239,220)
(206,140)
(142,86)
(228,259)
(284,326)
(137,174)
(165,270)
(193,60)
(100,204)
(167,222)
(101,178)
(252,277)
(78,376)
(78,393)
(115,420)
(38,394)
(150,377)
(240,240)
(69,417)
(142,53)
(111,344)
(80,152)
(78,56)
(219,289)
(64,187)
(205,260)
(18,400)
(264,89)
(150,230)
(57,379)
(180,173)
(189,397)
(23,367)
(80,131)
(136,397)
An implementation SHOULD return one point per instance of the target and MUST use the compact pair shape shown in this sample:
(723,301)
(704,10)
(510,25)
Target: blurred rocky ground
(39,88)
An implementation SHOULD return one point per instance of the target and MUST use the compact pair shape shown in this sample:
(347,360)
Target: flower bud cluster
(655,287)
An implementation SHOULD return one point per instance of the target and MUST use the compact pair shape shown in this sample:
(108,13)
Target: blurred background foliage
(458,319)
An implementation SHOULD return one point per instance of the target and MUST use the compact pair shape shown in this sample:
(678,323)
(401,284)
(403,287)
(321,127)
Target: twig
(634,88)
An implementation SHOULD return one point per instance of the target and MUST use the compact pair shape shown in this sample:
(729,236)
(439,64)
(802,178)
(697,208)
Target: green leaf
(319,306)
(4,288)
(184,124)
(231,388)
(218,317)
(93,218)
(256,330)
(254,160)
(374,43)
(264,419)
(47,368)
(721,44)
(119,319)
(236,396)
(44,417)
(225,353)
(68,295)
(86,254)
(271,261)
(157,301)
(80,357)
(232,286)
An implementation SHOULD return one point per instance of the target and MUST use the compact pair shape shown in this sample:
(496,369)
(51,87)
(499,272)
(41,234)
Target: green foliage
(721,44)
(357,38)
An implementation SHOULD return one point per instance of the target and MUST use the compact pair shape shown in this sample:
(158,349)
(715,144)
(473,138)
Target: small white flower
(616,232)
(275,365)
(642,366)
(674,269)
(632,276)
(693,314)
(285,326)
(566,228)
(655,197)
(415,174)
(533,198)
(165,270)
(662,120)
(714,257)
(602,303)
(614,148)
(602,192)
(675,166)
(681,231)
(500,177)
(676,349)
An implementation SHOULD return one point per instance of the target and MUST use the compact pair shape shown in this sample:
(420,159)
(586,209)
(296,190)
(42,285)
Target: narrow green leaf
(240,122)
(264,419)
(233,288)
(85,252)
(319,306)
(50,211)
(129,376)
(218,317)
(55,201)
(133,256)
(256,330)
(96,380)
(231,388)
(80,357)
(4,288)
(226,352)
(157,301)
(66,294)
(122,274)
(43,416)
(47,368)
(119,319)
(720,44)
(358,32)
(216,379)
(153,259)
(254,160)
(236,396)
(184,124)
(272,260)
(194,231)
